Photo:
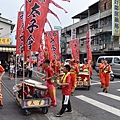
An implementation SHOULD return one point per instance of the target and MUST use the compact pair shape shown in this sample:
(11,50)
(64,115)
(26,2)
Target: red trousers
(73,79)
(106,78)
(102,78)
(51,93)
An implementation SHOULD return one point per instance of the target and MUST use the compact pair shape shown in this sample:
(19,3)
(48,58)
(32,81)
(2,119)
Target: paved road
(87,105)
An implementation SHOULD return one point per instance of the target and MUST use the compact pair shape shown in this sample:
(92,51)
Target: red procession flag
(52,44)
(75,49)
(35,18)
(88,46)
(19,33)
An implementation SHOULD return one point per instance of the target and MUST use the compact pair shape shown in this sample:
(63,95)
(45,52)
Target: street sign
(57,27)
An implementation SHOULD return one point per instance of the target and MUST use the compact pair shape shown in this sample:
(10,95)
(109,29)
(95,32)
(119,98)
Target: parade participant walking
(56,66)
(87,67)
(51,89)
(106,76)
(66,91)
(101,73)
(2,73)
(74,71)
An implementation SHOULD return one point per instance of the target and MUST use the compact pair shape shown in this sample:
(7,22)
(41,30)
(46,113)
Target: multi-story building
(99,17)
(6,47)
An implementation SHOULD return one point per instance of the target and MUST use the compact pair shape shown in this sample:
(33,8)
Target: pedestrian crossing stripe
(110,96)
(97,83)
(118,89)
(101,105)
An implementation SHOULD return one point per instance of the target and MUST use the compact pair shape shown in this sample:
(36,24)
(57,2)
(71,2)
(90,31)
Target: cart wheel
(88,87)
(27,112)
(44,110)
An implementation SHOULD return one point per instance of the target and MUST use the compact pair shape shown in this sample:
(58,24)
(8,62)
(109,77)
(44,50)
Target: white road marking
(118,89)
(98,104)
(95,81)
(110,96)
(110,83)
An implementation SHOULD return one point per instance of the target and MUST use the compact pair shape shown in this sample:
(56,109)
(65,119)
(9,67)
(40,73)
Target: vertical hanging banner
(88,46)
(116,17)
(75,49)
(19,33)
(52,43)
(35,18)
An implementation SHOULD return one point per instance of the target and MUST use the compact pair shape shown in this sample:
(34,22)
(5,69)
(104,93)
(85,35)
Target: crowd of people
(68,80)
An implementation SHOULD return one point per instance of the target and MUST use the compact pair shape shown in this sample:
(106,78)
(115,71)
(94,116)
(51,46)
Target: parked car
(114,61)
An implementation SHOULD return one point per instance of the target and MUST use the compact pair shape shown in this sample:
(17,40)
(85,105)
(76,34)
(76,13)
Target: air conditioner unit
(95,49)
(104,46)
(101,47)
(100,30)
(110,47)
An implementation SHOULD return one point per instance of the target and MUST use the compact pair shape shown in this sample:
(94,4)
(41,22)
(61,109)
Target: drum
(32,82)
(83,73)
(41,87)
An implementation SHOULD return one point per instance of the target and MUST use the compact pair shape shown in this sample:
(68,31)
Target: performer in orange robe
(87,67)
(3,72)
(56,66)
(101,73)
(74,71)
(106,76)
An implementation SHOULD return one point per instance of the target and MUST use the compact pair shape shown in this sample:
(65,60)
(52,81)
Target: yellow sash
(64,77)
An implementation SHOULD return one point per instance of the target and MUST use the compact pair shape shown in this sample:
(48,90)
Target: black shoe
(59,115)
(104,90)
(27,113)
(69,111)
(1,106)
(101,86)
(72,94)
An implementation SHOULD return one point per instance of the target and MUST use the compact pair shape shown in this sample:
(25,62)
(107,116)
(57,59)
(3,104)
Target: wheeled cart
(34,95)
(83,80)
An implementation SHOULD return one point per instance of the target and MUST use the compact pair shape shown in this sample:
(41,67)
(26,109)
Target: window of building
(95,40)
(105,6)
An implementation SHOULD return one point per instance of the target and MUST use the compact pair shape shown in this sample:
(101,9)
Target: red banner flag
(88,46)
(75,49)
(19,33)
(52,43)
(35,18)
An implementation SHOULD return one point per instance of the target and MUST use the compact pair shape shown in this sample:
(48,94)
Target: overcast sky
(10,8)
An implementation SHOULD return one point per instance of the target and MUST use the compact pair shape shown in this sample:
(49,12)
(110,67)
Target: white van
(114,61)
